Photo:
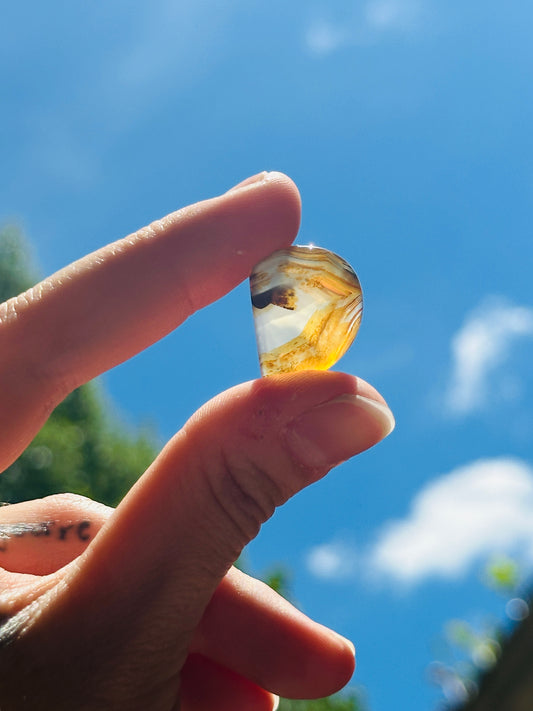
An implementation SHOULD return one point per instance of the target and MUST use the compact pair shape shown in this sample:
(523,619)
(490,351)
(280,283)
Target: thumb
(149,574)
(240,456)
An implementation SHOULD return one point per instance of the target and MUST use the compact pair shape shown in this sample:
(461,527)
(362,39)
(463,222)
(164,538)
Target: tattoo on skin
(51,529)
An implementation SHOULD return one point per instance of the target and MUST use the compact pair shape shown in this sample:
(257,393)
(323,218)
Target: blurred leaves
(331,703)
(17,270)
(83,448)
(472,650)
(503,574)
(279,579)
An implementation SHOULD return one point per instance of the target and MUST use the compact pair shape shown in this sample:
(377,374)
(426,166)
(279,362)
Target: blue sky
(407,126)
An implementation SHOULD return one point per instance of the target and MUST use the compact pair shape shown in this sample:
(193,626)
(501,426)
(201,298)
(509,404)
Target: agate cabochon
(307,306)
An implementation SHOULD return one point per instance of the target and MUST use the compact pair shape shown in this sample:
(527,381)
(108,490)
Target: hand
(138,607)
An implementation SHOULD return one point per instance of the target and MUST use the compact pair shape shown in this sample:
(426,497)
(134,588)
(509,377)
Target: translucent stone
(307,305)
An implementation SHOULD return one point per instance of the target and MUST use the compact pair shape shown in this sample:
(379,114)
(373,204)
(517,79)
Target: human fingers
(246,620)
(144,583)
(111,304)
(37,540)
(207,686)
(39,537)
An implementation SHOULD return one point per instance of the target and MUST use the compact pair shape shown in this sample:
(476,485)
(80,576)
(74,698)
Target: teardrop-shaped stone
(307,305)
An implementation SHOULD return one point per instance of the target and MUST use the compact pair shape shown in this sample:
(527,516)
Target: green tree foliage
(331,703)
(472,650)
(82,448)
(17,272)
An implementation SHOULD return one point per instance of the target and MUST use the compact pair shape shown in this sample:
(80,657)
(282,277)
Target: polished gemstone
(307,305)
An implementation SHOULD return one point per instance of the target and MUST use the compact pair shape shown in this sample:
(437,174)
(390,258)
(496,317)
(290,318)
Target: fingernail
(338,429)
(276,702)
(249,181)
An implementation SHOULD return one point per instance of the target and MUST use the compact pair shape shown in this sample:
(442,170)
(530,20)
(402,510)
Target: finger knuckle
(245,493)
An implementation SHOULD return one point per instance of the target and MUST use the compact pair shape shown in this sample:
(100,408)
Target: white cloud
(331,561)
(366,25)
(457,521)
(324,37)
(481,346)
(391,14)
(471,513)
(175,42)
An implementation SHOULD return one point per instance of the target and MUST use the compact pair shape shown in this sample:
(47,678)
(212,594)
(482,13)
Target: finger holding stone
(109,305)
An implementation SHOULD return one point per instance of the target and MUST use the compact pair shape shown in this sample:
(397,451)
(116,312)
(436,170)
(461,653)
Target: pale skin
(139,607)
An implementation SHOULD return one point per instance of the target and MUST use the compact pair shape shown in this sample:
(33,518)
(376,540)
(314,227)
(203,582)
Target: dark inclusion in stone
(283,296)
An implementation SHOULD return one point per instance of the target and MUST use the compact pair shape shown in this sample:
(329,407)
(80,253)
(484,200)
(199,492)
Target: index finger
(108,306)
